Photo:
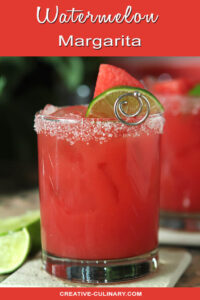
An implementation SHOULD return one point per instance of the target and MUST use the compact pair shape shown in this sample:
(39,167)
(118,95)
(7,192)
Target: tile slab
(173,263)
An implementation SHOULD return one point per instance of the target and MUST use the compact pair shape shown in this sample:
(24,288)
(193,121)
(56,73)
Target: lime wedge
(18,222)
(14,248)
(30,220)
(103,105)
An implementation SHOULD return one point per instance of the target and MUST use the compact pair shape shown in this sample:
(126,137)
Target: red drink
(180,152)
(180,167)
(99,187)
(181,157)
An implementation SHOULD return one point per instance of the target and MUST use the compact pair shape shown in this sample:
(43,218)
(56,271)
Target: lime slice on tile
(18,222)
(103,105)
(30,220)
(14,248)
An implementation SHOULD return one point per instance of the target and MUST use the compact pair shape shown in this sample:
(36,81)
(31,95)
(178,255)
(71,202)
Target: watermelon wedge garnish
(110,76)
(112,83)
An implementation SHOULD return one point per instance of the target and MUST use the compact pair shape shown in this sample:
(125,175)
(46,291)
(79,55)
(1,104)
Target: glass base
(180,221)
(101,271)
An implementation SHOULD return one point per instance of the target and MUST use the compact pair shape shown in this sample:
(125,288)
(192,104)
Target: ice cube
(49,109)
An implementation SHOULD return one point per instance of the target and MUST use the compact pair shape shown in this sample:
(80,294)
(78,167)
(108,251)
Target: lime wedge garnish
(30,220)
(103,105)
(14,248)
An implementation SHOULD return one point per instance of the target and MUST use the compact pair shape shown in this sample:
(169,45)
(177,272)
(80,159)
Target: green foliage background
(26,85)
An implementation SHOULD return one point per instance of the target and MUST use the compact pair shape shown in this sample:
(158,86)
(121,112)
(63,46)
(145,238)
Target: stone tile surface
(173,262)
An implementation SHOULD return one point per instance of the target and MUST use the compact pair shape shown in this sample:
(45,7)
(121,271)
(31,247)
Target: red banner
(137,293)
(99,28)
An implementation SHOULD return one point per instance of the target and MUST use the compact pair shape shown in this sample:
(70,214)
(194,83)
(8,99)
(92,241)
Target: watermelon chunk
(110,76)
(179,86)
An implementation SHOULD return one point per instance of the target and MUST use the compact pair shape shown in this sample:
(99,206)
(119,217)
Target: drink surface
(99,184)
(180,152)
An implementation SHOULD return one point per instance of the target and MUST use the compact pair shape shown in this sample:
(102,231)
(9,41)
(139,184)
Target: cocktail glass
(99,195)
(180,163)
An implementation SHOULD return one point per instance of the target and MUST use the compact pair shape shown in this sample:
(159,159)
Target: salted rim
(187,104)
(79,118)
(190,97)
(93,128)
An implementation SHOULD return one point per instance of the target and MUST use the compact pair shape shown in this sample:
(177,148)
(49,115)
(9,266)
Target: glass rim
(178,96)
(184,104)
(68,119)
(55,125)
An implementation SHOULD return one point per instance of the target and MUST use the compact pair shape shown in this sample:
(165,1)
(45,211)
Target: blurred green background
(26,85)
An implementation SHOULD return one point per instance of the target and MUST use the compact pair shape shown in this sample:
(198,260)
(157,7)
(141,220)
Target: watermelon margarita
(98,185)
(180,173)
(99,194)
